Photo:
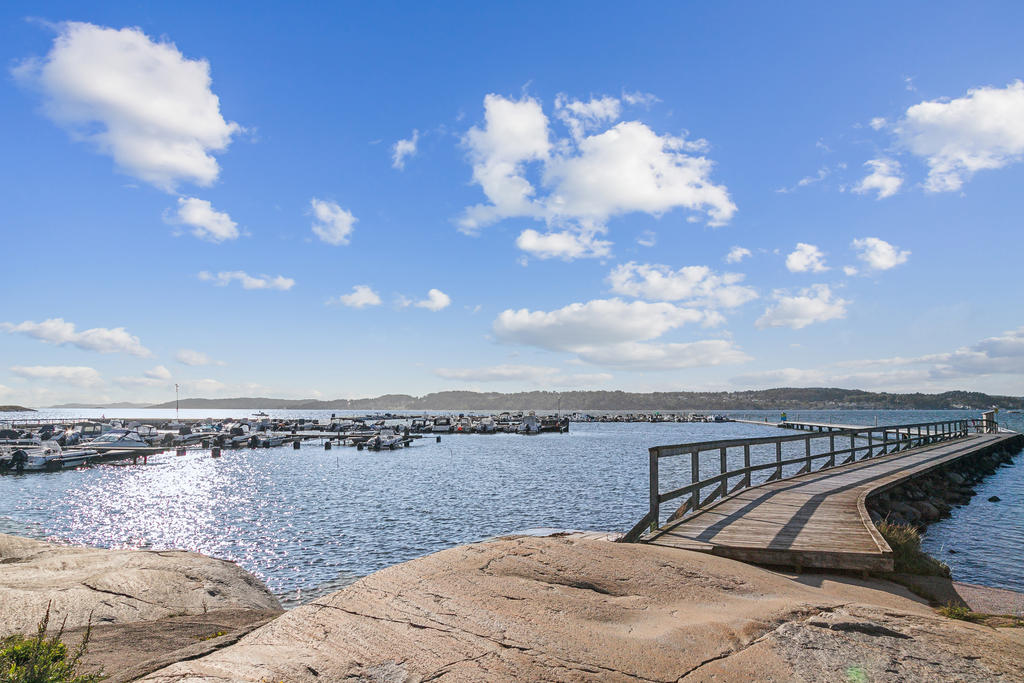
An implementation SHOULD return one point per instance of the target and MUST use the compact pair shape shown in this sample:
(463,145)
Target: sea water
(309,521)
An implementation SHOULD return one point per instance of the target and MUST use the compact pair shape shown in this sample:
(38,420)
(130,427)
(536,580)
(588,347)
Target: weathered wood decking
(817,519)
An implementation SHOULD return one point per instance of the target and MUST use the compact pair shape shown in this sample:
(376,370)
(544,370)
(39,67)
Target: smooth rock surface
(115,586)
(572,609)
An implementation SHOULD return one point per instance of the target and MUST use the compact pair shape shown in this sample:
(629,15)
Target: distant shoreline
(568,401)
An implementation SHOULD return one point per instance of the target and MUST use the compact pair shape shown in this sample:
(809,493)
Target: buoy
(327,445)
(438,439)
(215,452)
(296,444)
(359,446)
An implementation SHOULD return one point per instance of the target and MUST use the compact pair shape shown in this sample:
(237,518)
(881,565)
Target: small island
(16,409)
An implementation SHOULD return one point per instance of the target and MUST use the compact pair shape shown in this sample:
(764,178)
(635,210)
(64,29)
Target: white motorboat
(385,438)
(118,439)
(45,457)
(530,424)
(443,425)
(486,425)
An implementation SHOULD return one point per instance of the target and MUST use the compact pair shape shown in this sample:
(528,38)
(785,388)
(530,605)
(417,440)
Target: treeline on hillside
(767,399)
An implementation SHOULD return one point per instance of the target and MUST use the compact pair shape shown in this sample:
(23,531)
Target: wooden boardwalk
(817,519)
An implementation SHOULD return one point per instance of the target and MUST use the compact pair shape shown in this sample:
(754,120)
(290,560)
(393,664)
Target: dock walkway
(816,519)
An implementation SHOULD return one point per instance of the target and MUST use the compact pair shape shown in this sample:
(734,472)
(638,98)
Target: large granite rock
(570,609)
(116,586)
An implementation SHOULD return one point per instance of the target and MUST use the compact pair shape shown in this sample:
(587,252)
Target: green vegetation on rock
(42,660)
(908,558)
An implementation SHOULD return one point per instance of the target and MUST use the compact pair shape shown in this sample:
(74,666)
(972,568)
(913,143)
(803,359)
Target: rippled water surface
(309,520)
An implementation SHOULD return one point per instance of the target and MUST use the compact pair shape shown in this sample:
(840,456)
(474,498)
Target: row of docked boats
(504,423)
(649,417)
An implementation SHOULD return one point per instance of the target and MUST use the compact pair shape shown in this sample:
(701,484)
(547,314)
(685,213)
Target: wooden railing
(797,452)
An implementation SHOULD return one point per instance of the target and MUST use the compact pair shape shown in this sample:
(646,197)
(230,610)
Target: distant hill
(16,409)
(123,404)
(767,399)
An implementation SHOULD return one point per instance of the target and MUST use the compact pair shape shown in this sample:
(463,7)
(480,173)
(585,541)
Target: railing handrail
(757,440)
(899,436)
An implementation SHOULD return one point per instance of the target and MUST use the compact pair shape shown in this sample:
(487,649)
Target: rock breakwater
(933,495)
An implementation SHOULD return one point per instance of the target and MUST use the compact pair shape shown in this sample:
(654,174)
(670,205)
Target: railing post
(871,444)
(746,464)
(722,469)
(807,453)
(778,460)
(694,478)
(853,448)
(832,450)
(655,503)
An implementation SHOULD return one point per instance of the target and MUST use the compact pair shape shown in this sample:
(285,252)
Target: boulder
(994,499)
(928,512)
(574,609)
(907,512)
(955,478)
(116,586)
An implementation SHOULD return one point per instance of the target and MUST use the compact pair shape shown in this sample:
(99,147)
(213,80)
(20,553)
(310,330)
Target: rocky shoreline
(933,495)
(569,607)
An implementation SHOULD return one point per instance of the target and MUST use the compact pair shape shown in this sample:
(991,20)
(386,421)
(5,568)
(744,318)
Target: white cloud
(813,304)
(404,148)
(630,168)
(885,178)
(159,372)
(435,301)
(647,238)
(879,254)
(207,223)
(79,376)
(579,116)
(60,332)
(737,254)
(142,102)
(527,374)
(807,180)
(566,244)
(225,277)
(645,99)
(586,178)
(806,258)
(515,132)
(996,357)
(194,358)
(198,387)
(958,137)
(333,224)
(361,297)
(698,285)
(657,356)
(594,323)
(850,270)
(877,123)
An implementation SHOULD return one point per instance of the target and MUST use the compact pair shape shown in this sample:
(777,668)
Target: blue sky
(344,201)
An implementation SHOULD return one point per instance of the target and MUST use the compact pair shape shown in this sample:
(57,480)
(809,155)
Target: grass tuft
(956,612)
(42,660)
(908,557)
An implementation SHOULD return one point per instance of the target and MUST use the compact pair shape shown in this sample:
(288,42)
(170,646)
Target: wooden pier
(814,516)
